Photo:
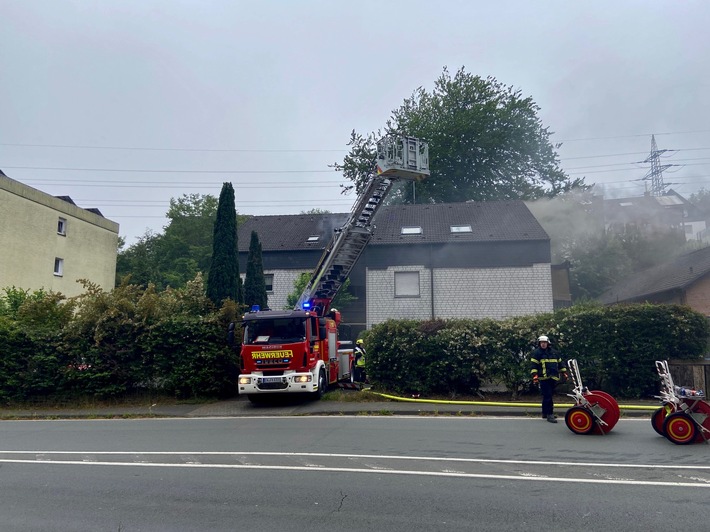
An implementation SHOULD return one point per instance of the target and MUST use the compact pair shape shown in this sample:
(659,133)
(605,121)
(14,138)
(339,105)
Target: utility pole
(655,174)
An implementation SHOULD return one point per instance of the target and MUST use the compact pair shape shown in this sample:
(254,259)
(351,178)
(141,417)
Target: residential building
(683,280)
(652,213)
(457,260)
(48,242)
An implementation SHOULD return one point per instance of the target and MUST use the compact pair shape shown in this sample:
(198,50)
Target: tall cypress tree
(223,281)
(254,285)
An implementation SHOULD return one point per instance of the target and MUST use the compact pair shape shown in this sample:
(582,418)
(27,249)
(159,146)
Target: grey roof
(290,232)
(678,273)
(489,221)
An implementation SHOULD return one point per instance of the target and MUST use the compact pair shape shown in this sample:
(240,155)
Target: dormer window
(313,238)
(411,230)
(461,229)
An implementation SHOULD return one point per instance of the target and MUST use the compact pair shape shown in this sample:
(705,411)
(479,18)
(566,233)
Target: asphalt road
(346,473)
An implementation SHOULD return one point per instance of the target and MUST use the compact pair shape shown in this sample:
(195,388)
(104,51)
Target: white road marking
(370,471)
(360,456)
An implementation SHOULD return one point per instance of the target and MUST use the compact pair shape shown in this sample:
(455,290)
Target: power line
(138,171)
(135,148)
(637,135)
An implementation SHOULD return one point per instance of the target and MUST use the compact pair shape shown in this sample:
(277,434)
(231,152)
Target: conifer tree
(223,281)
(254,284)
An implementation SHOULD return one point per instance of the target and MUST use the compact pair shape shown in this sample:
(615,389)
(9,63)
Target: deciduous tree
(486,142)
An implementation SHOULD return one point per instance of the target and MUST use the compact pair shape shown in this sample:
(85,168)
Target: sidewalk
(293,406)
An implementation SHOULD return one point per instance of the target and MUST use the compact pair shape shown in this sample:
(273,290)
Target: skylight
(411,230)
(461,229)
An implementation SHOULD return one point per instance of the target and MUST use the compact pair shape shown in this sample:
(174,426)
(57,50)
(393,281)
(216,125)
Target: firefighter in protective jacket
(547,368)
(359,369)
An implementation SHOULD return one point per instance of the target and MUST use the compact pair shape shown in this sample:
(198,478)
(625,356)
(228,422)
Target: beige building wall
(31,243)
(697,296)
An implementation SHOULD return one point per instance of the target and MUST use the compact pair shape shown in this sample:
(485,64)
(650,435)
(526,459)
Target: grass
(91,403)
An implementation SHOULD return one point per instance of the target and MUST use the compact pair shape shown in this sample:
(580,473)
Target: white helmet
(543,338)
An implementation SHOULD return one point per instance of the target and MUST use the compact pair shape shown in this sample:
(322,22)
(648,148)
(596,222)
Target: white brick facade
(283,284)
(461,293)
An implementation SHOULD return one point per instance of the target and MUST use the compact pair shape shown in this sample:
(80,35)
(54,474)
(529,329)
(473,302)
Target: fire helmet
(359,341)
(543,338)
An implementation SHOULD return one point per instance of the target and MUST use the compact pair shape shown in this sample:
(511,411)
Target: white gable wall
(461,293)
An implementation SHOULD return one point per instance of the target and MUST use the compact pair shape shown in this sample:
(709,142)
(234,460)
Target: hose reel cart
(594,412)
(684,416)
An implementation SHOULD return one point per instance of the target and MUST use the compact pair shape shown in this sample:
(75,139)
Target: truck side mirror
(322,330)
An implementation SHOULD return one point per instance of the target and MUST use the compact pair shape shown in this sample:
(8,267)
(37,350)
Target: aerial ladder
(397,158)
(297,350)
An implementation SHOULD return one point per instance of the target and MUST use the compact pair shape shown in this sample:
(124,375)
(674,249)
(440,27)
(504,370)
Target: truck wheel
(322,385)
(256,399)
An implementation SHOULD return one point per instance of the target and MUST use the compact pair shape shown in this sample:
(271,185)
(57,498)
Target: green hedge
(615,348)
(114,344)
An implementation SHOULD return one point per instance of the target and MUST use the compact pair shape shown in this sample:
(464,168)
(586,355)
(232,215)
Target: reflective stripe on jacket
(359,357)
(547,364)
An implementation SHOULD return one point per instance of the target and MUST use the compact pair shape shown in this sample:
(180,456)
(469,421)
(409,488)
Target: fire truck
(296,351)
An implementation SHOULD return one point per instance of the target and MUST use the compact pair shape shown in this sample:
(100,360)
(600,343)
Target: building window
(62,226)
(269,282)
(461,229)
(406,284)
(411,230)
(58,266)
(313,238)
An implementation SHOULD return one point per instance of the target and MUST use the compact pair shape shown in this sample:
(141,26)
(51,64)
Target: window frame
(62,226)
(269,286)
(400,288)
(58,267)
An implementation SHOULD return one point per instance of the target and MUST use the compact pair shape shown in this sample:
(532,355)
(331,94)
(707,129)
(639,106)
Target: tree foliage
(254,284)
(342,298)
(176,256)
(486,142)
(224,281)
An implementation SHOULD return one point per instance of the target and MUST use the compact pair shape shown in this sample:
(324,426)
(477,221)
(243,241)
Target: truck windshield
(275,331)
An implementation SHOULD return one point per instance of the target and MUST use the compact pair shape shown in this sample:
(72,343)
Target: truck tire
(257,399)
(322,385)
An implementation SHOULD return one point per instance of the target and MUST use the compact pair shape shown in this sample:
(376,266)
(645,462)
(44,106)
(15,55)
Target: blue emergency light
(306,305)
(255,308)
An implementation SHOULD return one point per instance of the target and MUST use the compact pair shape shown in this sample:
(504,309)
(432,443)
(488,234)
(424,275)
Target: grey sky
(265,94)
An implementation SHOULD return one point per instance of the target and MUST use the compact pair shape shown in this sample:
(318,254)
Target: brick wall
(282,287)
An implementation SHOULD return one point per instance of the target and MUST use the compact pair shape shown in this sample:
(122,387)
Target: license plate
(267,380)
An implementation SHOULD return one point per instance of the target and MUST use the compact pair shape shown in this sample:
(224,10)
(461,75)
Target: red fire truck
(289,351)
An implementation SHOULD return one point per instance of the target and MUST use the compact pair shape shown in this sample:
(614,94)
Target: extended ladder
(397,158)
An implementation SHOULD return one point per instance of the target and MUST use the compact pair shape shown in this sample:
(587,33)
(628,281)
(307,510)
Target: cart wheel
(611,410)
(579,420)
(679,428)
(657,419)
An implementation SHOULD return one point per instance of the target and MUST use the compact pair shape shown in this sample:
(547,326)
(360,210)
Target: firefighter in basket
(359,369)
(547,368)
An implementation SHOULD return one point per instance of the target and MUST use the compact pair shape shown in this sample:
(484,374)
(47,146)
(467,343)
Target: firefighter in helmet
(547,368)
(359,369)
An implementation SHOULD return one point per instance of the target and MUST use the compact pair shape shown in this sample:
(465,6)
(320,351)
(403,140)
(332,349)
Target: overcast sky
(123,105)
